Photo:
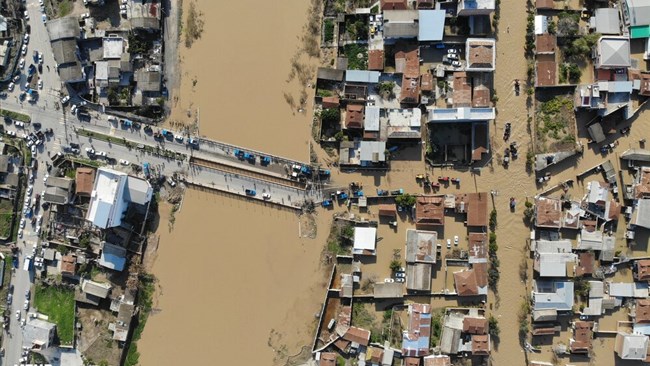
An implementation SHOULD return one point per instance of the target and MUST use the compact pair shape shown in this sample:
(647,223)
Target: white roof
(113,47)
(553,295)
(371,119)
(101,70)
(112,193)
(461,114)
(634,347)
(554,264)
(637,290)
(553,246)
(590,240)
(643,216)
(365,239)
(362,76)
(607,21)
(541,24)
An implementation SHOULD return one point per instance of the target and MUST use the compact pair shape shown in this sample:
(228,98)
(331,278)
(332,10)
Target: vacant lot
(58,304)
(556,125)
(6,217)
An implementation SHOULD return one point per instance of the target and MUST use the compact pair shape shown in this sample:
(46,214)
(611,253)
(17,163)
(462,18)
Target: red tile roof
(465,282)
(376,60)
(85,180)
(426,82)
(394,5)
(354,116)
(481,345)
(387,210)
(544,4)
(546,73)
(582,336)
(68,265)
(327,359)
(642,270)
(331,102)
(462,93)
(545,43)
(642,311)
(475,325)
(585,264)
(429,210)
(357,335)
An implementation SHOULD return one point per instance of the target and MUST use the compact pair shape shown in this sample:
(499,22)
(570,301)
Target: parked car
(73,109)
(65,99)
(27,294)
(456,240)
(74,145)
(101,153)
(452,51)
(250,192)
(171,182)
(21,63)
(11,86)
(124,162)
(266,196)
(26,15)
(456,64)
(26,38)
(40,83)
(26,306)
(10,133)
(453,56)
(23,50)
(448,243)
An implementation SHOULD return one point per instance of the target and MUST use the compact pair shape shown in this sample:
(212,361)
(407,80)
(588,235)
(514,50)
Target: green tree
(386,88)
(405,200)
(568,25)
(395,265)
(494,330)
(348,231)
(330,115)
(329,31)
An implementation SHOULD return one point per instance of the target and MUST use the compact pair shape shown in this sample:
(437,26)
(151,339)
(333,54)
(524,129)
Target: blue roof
(113,257)
(432,25)
(362,76)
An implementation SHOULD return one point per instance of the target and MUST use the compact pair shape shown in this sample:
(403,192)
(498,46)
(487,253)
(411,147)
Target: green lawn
(58,305)
(15,115)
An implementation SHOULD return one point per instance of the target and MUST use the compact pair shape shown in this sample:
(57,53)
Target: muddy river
(236,281)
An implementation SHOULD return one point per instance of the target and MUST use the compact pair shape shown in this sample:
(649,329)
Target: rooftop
(63,28)
(415,339)
(113,47)
(113,257)
(473,325)
(462,90)
(545,43)
(582,336)
(480,54)
(556,295)
(365,240)
(642,311)
(421,246)
(430,210)
(418,277)
(354,116)
(548,212)
(466,284)
(613,52)
(376,60)
(432,25)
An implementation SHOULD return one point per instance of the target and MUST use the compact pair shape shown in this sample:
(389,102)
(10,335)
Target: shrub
(330,115)
(405,200)
(395,265)
(328,31)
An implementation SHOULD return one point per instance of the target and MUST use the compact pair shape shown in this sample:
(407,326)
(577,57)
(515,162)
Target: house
(473,325)
(418,276)
(394,5)
(612,52)
(333,75)
(58,190)
(426,83)
(642,184)
(548,315)
(636,14)
(387,210)
(145,15)
(641,317)
(480,53)
(410,92)
(403,124)
(586,262)
(364,154)
(478,248)
(545,44)
(621,290)
(38,334)
(554,264)
(68,265)
(606,21)
(122,324)
(365,240)
(376,60)
(556,295)
(472,282)
(437,360)
(411,361)
(148,80)
(548,212)
(112,257)
(330,102)
(421,246)
(347,286)
(582,336)
(415,339)
(642,270)
(64,33)
(641,217)
(327,359)
(112,195)
(431,25)
(388,290)
(481,345)
(632,346)
(401,24)
(599,203)
(362,76)
(357,335)
(429,210)
(84,179)
(475,206)
(478,117)
(97,289)
(354,116)
(475,7)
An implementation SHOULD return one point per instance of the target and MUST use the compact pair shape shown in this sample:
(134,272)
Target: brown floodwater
(236,75)
(244,277)
(233,276)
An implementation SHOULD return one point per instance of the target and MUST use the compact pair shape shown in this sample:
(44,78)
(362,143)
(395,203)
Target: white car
(39,219)
(124,162)
(27,200)
(456,240)
(23,50)
(26,38)
(448,243)
(40,58)
(16,78)
(33,150)
(45,177)
(400,275)
(26,306)
(453,56)
(452,51)
(30,188)
(85,15)
(123,12)
(101,153)
(73,109)
(65,99)
(266,196)
(40,83)
(90,151)
(20,233)
(22,223)
(27,294)
(11,133)
(21,63)
(123,7)
(20,124)
(17,314)
(11,86)
(26,15)
(38,229)
(456,64)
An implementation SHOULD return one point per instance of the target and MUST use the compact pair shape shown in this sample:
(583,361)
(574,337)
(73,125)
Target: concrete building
(113,257)
(112,194)
(415,339)
(556,295)
(632,346)
(430,211)
(475,7)
(418,277)
(365,241)
(38,334)
(612,52)
(401,24)
(421,246)
(480,54)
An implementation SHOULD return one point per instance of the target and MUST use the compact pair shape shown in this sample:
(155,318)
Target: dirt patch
(308,226)
(193,25)
(95,339)
(555,125)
